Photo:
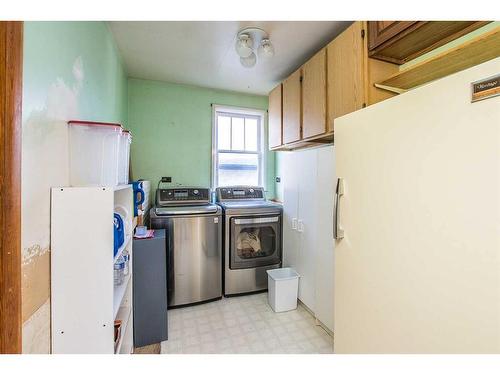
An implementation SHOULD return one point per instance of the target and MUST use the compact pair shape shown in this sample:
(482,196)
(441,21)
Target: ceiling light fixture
(245,46)
(249,61)
(266,49)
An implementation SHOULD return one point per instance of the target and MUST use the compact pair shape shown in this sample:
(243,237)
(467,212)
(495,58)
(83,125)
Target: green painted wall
(71,70)
(50,51)
(172,131)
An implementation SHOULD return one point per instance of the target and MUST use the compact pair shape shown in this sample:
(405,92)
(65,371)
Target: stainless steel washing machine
(252,238)
(194,244)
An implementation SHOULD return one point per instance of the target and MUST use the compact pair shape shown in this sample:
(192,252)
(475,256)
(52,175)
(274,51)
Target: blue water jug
(139,195)
(119,233)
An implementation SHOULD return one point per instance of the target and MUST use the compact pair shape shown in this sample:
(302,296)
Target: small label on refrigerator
(485,88)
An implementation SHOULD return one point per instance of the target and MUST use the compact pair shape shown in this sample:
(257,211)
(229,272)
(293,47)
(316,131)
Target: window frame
(241,112)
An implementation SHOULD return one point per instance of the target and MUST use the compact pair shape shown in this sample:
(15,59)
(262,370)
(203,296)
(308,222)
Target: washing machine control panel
(240,193)
(173,196)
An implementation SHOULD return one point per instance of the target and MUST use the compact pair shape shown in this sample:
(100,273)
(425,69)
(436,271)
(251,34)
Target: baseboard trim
(318,322)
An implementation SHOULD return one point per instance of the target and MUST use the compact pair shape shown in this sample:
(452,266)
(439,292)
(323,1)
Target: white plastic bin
(283,289)
(93,149)
(124,157)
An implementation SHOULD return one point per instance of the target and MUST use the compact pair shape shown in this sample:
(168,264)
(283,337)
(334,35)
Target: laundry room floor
(244,324)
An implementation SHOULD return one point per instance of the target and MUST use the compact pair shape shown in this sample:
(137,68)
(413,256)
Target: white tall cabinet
(308,180)
(325,189)
(84,301)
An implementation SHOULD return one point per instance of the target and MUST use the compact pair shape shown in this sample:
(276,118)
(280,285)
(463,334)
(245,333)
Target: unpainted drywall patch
(35,280)
(31,253)
(45,163)
(36,331)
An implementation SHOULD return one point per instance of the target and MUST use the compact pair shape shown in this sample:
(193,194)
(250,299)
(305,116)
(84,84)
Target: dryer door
(255,241)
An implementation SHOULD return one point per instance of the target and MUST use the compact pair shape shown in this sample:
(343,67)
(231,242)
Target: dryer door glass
(255,241)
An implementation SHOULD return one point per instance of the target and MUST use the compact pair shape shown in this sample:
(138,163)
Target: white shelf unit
(85,302)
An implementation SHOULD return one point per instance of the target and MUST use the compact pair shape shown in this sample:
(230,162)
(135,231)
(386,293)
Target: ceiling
(202,53)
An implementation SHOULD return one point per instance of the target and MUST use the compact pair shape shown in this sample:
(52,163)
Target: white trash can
(283,288)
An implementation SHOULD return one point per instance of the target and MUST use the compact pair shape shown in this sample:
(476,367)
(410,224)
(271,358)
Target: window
(238,157)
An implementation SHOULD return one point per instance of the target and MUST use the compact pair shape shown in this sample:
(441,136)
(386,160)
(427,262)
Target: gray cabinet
(150,289)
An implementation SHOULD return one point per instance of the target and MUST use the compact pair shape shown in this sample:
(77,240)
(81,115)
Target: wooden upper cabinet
(381,31)
(314,95)
(292,109)
(346,73)
(401,41)
(275,117)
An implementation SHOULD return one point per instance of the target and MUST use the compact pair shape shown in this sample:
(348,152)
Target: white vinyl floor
(243,325)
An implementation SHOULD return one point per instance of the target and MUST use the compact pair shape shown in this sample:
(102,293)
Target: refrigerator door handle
(338,231)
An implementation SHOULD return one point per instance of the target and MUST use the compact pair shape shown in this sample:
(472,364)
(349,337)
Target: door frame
(11,64)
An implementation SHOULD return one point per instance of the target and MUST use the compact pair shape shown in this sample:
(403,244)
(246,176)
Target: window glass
(251,134)
(238,152)
(224,132)
(238,169)
(238,133)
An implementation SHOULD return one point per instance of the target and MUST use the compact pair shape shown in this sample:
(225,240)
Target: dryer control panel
(184,196)
(229,193)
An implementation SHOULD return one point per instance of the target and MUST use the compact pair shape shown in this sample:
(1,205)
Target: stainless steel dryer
(252,238)
(194,244)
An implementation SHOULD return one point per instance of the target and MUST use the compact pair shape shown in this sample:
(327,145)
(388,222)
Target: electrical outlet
(166,179)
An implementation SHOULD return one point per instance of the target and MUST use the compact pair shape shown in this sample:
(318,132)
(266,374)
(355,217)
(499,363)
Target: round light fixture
(266,49)
(244,45)
(249,61)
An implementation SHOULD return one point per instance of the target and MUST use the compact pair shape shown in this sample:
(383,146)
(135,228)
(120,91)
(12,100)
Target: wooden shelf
(473,52)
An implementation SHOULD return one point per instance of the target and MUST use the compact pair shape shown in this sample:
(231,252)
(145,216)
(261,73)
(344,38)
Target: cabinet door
(401,41)
(292,108)
(275,117)
(314,95)
(346,91)
(307,226)
(325,184)
(381,31)
(289,179)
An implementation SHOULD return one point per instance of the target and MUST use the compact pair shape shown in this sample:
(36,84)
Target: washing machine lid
(253,207)
(205,209)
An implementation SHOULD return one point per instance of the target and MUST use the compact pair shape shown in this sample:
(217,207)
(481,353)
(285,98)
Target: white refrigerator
(418,267)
